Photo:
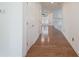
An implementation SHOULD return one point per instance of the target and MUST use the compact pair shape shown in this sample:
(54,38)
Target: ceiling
(47,6)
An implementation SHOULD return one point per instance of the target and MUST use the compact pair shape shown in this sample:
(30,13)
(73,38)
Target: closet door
(33,23)
(25,28)
(30,26)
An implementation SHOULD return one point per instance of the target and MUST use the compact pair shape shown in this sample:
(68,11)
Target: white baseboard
(33,43)
(77,52)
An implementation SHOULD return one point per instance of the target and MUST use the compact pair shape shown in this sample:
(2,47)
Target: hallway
(54,44)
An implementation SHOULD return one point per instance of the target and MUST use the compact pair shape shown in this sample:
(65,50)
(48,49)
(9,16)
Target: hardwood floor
(52,45)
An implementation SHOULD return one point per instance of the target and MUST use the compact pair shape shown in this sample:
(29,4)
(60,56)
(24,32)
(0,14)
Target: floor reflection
(44,37)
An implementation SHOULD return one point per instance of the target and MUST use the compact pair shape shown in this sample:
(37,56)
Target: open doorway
(52,42)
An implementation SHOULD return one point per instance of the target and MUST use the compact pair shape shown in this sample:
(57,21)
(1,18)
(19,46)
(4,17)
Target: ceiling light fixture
(51,2)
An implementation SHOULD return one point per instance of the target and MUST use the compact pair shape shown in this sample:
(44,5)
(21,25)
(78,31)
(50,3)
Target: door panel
(25,28)
(32,18)
(31,25)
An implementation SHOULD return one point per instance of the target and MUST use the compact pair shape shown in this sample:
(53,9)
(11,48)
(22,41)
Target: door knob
(32,25)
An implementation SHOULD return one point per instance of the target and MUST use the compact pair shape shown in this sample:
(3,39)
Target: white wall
(32,15)
(11,29)
(71,24)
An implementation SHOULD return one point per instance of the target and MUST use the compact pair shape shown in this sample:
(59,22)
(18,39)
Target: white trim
(77,52)
(32,44)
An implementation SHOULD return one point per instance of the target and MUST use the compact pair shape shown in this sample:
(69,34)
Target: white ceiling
(48,6)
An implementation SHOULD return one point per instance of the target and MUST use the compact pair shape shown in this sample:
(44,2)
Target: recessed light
(51,2)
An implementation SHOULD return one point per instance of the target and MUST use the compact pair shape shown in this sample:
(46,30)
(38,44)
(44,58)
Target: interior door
(30,26)
(32,23)
(25,28)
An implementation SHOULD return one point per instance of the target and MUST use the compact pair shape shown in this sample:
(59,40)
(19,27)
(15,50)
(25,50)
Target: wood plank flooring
(52,45)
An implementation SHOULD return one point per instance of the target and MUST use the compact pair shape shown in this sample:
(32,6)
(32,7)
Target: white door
(28,27)
(31,17)
(31,33)
(25,28)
